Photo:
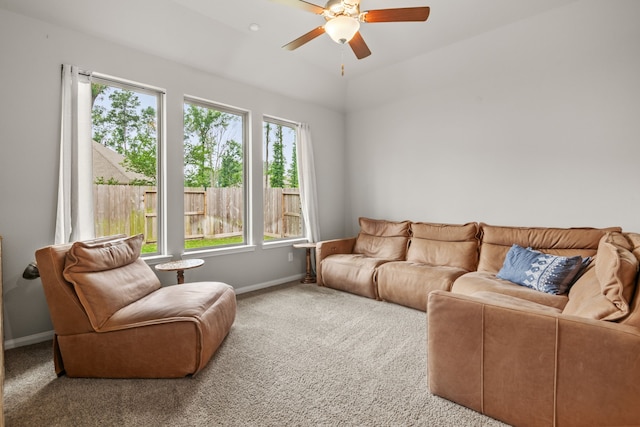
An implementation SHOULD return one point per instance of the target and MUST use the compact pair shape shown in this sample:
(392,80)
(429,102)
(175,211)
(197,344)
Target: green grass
(149,248)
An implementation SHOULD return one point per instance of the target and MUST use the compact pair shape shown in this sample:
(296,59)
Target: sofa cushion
(382,239)
(108,275)
(515,302)
(548,273)
(444,244)
(482,281)
(409,284)
(604,291)
(634,305)
(353,273)
(634,243)
(497,240)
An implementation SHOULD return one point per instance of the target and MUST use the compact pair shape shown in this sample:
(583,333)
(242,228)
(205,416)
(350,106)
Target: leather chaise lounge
(113,319)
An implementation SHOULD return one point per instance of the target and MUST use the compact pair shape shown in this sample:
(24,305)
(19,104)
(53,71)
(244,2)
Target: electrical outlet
(290,256)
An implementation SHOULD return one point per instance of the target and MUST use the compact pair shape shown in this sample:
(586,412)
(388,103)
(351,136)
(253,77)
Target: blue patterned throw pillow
(543,272)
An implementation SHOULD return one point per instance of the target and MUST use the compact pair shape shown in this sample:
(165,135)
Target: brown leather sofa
(399,262)
(113,319)
(526,357)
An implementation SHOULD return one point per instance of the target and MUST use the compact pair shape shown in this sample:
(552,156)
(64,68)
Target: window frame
(161,184)
(247,227)
(285,241)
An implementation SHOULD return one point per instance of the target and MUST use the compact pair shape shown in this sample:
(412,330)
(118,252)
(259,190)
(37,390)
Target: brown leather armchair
(113,319)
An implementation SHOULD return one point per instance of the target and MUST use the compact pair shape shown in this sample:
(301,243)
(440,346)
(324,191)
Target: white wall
(32,53)
(534,124)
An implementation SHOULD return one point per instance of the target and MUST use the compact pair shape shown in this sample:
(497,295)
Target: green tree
(267,141)
(142,155)
(205,143)
(98,114)
(277,166)
(97,89)
(126,128)
(100,129)
(231,167)
(196,173)
(293,169)
(198,122)
(124,118)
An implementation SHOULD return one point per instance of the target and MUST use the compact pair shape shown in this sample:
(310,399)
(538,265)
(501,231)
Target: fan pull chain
(342,60)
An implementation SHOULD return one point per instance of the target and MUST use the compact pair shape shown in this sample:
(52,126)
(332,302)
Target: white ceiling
(214,35)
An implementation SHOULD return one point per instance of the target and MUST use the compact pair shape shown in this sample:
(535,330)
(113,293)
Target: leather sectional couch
(524,355)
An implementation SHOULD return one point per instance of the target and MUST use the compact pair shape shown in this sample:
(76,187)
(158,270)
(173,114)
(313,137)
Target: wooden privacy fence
(282,212)
(210,213)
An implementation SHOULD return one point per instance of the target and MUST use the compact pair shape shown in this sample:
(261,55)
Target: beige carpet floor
(297,355)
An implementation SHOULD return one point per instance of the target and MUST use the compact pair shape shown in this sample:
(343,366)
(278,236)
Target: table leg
(180,277)
(308,278)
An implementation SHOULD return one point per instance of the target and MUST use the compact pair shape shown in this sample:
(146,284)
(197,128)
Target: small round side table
(180,266)
(309,277)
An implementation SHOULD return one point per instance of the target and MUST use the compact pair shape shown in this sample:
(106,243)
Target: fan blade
(397,15)
(304,38)
(309,7)
(359,47)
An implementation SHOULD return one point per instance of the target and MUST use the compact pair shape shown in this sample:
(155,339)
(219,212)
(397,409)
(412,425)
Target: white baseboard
(48,335)
(28,340)
(264,285)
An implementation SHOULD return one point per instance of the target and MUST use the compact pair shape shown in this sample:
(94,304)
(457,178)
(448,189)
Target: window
(282,208)
(214,175)
(126,124)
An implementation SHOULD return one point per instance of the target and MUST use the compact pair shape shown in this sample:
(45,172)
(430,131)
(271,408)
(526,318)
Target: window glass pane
(213,176)
(125,165)
(282,209)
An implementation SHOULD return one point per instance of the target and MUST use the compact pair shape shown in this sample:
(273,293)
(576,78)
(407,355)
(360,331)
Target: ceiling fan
(343,22)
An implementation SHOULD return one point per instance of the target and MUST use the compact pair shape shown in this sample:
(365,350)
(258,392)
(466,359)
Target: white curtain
(307,181)
(74,219)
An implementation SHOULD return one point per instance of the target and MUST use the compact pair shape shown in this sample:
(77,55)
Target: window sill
(283,243)
(156,259)
(205,253)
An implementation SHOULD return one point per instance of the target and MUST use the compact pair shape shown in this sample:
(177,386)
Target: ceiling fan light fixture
(342,28)
(335,6)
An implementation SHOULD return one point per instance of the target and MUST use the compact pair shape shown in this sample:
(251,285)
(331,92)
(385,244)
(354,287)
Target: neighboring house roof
(107,164)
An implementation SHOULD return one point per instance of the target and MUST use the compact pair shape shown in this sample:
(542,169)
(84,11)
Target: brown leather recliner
(113,319)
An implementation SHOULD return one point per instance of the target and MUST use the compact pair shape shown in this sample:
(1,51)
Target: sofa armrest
(331,247)
(530,367)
